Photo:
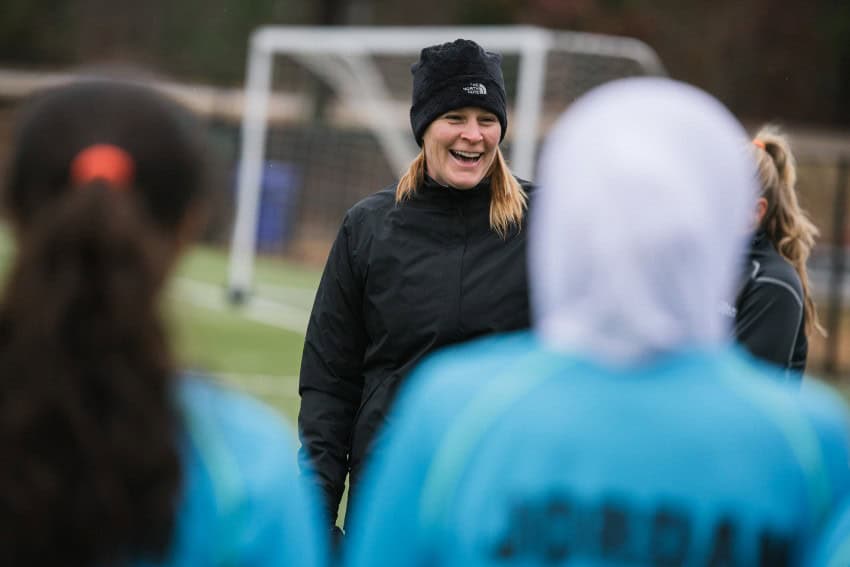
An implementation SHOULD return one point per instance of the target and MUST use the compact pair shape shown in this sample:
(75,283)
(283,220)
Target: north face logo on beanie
(475,88)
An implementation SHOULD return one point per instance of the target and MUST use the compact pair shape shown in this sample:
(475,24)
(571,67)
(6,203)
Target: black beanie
(454,75)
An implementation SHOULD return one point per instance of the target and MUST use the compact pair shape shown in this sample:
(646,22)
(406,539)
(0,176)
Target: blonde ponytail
(786,224)
(508,199)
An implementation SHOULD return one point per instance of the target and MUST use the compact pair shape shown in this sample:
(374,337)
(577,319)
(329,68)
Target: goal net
(326,119)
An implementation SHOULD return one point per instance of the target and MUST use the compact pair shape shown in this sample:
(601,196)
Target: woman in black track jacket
(437,259)
(774,312)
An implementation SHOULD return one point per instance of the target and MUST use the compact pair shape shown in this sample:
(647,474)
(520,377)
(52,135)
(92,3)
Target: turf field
(256,347)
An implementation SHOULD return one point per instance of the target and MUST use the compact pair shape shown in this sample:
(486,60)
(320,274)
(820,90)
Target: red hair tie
(758,143)
(103,161)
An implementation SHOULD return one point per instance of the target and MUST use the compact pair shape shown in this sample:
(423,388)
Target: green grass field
(254,347)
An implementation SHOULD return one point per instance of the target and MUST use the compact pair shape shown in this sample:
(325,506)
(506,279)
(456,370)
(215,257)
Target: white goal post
(345,60)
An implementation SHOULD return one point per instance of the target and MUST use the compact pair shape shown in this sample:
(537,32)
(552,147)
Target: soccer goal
(326,118)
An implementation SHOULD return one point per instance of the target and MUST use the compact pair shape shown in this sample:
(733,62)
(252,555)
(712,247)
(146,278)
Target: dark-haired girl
(109,456)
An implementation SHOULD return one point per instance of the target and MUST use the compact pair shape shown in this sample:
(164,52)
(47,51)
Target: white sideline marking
(258,309)
(261,384)
(287,294)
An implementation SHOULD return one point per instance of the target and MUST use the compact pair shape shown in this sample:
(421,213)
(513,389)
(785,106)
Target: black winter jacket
(770,313)
(401,280)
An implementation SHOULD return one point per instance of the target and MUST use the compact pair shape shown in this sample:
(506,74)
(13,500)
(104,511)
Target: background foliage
(766,59)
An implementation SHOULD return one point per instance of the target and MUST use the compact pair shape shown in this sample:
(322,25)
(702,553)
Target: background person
(108,456)
(436,259)
(625,428)
(775,313)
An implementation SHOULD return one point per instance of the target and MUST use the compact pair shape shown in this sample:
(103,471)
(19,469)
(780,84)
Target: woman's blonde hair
(786,224)
(508,200)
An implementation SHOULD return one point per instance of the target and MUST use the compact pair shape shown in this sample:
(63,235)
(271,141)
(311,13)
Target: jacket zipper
(465,237)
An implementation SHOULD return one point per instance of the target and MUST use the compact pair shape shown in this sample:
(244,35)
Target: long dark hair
(88,424)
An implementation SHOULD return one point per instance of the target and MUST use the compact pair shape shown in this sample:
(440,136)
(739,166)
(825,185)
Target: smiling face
(460,146)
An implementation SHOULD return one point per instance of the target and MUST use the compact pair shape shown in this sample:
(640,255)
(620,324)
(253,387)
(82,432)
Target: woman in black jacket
(775,312)
(438,258)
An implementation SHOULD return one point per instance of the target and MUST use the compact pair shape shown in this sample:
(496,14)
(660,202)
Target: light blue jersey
(242,502)
(833,550)
(506,453)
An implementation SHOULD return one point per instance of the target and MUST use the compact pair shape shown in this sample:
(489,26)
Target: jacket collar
(432,192)
(760,241)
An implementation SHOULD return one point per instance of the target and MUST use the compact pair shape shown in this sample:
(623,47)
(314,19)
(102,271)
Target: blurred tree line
(764,58)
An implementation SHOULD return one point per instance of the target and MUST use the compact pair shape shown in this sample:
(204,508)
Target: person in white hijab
(625,427)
